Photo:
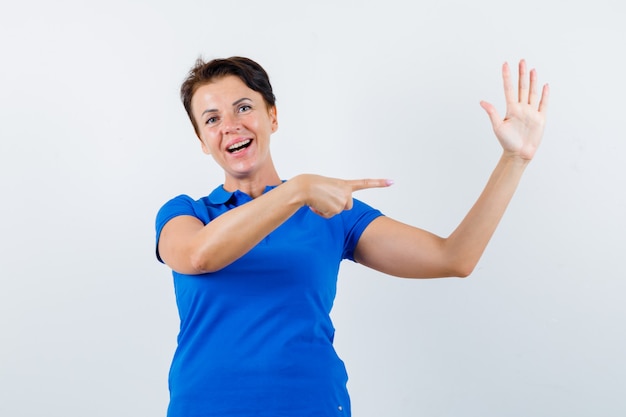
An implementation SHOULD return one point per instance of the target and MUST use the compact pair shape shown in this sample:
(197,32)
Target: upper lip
(237,140)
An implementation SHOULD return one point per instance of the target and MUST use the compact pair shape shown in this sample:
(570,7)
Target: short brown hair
(251,73)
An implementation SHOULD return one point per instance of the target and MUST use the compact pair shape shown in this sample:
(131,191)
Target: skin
(228,112)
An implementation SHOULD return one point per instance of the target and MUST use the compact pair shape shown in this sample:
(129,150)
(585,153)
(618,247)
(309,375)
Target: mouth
(239,146)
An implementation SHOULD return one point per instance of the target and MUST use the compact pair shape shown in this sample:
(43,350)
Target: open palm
(521,130)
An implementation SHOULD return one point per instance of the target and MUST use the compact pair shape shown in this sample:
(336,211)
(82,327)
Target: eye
(211,120)
(244,108)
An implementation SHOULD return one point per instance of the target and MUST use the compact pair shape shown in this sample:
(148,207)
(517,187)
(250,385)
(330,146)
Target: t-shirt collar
(221,196)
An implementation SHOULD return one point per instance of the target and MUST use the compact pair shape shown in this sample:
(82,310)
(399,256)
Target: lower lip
(242,152)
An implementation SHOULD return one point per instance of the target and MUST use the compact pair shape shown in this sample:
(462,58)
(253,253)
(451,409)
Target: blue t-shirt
(256,336)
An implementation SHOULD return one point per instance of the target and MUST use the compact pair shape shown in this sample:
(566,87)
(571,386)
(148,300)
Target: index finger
(509,90)
(369,183)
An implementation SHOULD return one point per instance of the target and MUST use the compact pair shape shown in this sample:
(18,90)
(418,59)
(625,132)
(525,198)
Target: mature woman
(255,262)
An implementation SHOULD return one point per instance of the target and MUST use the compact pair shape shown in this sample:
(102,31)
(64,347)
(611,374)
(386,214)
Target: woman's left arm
(405,251)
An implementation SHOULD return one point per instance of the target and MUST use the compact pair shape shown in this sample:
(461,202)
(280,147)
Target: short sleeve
(182,205)
(355,221)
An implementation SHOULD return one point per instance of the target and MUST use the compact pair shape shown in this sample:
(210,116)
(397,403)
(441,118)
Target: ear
(274,118)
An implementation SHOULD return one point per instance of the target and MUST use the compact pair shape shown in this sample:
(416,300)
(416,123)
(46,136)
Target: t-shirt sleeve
(355,222)
(182,205)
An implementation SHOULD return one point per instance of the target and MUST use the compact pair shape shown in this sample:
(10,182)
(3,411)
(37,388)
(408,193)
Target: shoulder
(360,213)
(205,209)
(180,205)
(355,221)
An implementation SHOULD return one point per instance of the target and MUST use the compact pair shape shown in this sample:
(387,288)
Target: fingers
(327,197)
(527,87)
(532,98)
(522,83)
(528,91)
(545,95)
(369,183)
(330,213)
(509,91)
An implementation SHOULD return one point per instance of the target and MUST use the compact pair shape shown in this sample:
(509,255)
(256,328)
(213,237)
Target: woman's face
(234,125)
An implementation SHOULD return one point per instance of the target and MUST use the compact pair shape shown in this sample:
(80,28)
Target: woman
(255,262)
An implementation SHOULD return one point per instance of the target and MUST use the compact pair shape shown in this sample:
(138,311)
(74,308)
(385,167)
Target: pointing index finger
(363,184)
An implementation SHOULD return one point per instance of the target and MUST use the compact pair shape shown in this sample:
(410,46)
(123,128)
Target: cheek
(207,142)
(205,148)
(267,125)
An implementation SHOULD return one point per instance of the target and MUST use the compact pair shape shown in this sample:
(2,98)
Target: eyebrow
(234,104)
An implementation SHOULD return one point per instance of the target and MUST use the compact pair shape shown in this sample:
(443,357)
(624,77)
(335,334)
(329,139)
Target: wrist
(515,158)
(298,187)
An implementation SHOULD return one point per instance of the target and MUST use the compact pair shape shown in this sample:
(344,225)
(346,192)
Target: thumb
(491,112)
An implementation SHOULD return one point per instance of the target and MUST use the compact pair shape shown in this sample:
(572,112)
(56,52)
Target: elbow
(460,263)
(207,260)
(200,264)
(464,273)
(462,269)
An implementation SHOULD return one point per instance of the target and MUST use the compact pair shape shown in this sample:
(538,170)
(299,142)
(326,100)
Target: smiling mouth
(239,146)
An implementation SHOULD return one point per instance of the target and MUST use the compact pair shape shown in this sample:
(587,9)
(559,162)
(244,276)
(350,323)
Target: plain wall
(93,140)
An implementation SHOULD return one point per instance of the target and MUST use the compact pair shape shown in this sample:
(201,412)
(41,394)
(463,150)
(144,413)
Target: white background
(93,139)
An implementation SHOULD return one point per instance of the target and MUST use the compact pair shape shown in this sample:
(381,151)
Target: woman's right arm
(189,247)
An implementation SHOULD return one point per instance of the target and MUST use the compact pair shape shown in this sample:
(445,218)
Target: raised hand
(521,130)
(330,196)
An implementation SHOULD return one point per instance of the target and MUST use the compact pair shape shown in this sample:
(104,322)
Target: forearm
(466,244)
(234,233)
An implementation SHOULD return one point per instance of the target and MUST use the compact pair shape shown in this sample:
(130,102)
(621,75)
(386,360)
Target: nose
(230,124)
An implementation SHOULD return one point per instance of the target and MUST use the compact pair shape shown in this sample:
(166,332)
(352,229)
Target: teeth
(238,145)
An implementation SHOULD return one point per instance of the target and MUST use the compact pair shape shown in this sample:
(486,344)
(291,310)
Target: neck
(253,185)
